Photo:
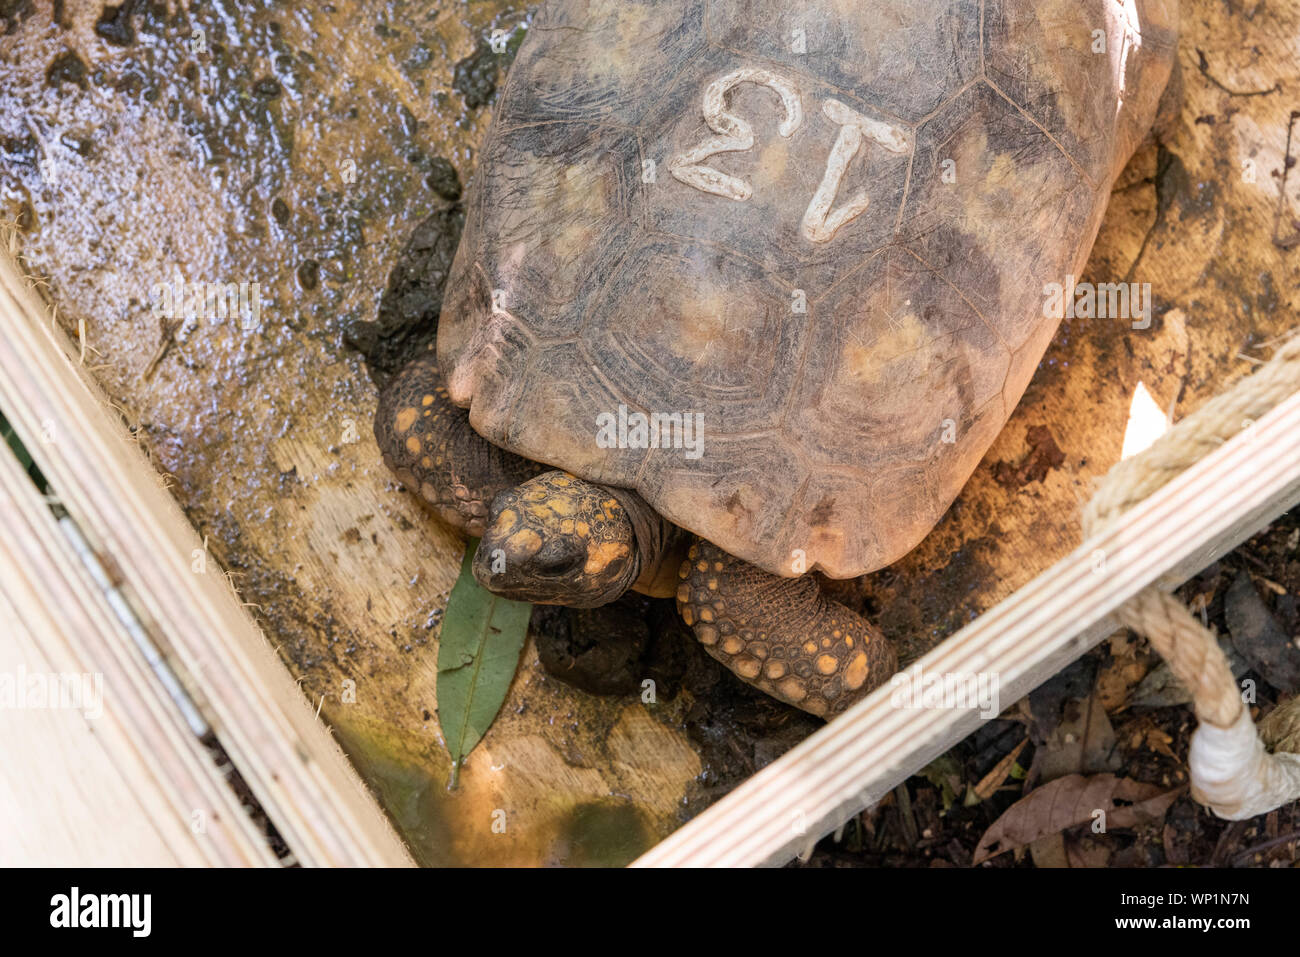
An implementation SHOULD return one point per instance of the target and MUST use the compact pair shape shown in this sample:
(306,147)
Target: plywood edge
(102,768)
(1021,642)
(286,755)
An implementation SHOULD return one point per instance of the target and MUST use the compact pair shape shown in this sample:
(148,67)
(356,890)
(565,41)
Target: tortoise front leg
(781,635)
(428,443)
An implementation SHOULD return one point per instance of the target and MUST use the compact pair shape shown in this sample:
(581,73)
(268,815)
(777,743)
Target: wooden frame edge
(294,767)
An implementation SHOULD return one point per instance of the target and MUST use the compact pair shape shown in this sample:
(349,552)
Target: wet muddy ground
(322,152)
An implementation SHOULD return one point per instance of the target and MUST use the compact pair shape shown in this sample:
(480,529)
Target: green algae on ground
(603,834)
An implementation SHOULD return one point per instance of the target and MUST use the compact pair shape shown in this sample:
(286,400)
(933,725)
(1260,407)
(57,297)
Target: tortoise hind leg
(428,443)
(781,635)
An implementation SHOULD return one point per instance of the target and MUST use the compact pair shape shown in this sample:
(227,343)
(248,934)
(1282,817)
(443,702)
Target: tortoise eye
(562,556)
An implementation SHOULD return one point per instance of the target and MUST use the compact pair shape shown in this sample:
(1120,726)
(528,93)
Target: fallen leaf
(1073,800)
(945,774)
(1158,741)
(1127,665)
(993,780)
(1117,680)
(1084,741)
(1258,636)
(478,654)
(1043,456)
(1049,851)
(1087,851)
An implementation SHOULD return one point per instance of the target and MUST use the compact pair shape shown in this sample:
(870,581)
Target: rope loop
(1236,769)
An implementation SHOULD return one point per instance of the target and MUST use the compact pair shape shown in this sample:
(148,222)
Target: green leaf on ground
(478,654)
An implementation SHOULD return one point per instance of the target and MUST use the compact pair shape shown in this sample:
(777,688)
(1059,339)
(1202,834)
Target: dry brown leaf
(1069,850)
(1122,672)
(1159,742)
(1122,644)
(1144,732)
(1049,852)
(1259,636)
(993,780)
(1087,851)
(1083,743)
(1073,800)
(1117,680)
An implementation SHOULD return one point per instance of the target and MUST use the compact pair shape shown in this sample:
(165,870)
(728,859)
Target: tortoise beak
(521,571)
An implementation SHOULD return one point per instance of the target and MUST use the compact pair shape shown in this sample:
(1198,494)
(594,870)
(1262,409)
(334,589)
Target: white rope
(1232,770)
(1235,776)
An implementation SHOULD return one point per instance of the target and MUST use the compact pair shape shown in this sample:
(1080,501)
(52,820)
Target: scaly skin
(781,635)
(429,444)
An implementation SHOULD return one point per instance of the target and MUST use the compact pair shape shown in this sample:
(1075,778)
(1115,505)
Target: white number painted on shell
(820,223)
(735,135)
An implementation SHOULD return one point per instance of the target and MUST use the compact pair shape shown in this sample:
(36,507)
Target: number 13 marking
(735,135)
(820,221)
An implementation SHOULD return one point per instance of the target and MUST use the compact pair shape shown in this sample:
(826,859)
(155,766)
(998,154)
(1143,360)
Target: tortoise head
(557,540)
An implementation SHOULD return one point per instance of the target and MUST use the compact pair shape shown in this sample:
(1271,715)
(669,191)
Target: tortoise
(747,289)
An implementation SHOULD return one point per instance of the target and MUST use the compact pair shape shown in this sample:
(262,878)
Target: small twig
(49,170)
(167,335)
(1290,242)
(1205,72)
(37,282)
(1245,855)
(1230,835)
(908,821)
(126,419)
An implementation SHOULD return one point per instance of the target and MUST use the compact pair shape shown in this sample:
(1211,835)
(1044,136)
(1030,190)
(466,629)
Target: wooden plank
(859,758)
(112,777)
(286,756)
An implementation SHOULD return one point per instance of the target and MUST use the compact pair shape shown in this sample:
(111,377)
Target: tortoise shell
(820,233)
